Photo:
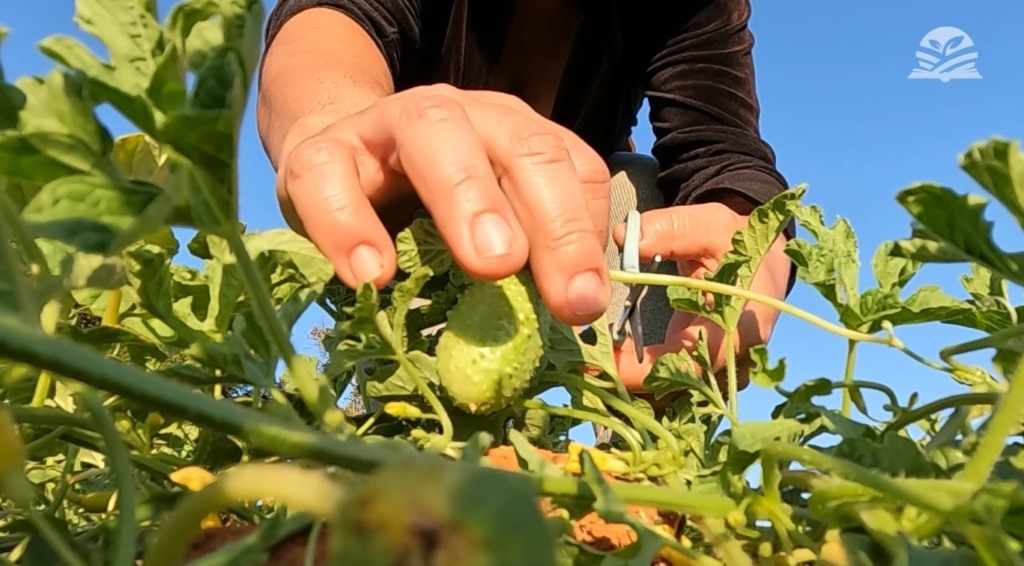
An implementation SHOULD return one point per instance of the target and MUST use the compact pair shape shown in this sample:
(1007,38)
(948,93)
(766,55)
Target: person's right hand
(504,185)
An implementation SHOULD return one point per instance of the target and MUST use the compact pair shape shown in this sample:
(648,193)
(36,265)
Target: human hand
(503,184)
(696,237)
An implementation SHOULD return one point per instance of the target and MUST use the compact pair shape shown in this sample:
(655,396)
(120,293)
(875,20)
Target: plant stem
(723,289)
(733,379)
(413,372)
(302,490)
(851,356)
(77,362)
(927,499)
(113,311)
(993,340)
(637,494)
(369,422)
(615,425)
(121,466)
(954,401)
(60,545)
(638,417)
(301,374)
(1005,418)
(309,556)
(285,438)
(48,319)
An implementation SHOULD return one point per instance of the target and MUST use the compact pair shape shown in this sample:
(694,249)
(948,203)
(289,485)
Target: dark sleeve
(392,24)
(704,111)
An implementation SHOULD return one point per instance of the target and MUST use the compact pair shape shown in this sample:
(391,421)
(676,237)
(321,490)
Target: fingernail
(492,236)
(366,262)
(586,294)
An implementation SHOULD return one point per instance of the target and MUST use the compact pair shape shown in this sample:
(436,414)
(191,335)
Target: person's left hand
(696,237)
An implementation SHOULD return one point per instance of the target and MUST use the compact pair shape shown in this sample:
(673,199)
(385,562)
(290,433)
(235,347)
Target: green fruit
(490,347)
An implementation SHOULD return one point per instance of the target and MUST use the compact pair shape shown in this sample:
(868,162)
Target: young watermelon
(490,346)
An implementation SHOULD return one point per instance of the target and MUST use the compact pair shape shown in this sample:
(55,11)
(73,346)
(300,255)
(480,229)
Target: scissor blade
(637,330)
(631,314)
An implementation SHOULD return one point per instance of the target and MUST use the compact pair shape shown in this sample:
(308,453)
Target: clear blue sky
(841,115)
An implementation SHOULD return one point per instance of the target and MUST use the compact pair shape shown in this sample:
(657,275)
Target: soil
(589,529)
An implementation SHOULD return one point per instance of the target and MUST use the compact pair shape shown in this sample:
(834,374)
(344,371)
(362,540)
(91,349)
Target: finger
(319,180)
(684,232)
(566,251)
(591,170)
(439,151)
(595,180)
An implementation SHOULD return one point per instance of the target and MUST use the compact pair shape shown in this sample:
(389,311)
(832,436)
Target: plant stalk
(1005,418)
(851,356)
(300,489)
(121,466)
(779,305)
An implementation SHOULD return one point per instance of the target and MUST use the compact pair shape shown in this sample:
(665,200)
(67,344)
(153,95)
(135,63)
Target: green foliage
(142,397)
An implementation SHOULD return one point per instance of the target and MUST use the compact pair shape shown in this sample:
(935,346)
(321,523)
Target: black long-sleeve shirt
(691,59)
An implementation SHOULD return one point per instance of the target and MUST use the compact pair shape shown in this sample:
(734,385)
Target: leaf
(673,372)
(761,372)
(80,270)
(88,212)
(892,454)
(15,289)
(953,229)
(356,337)
(201,27)
(421,245)
(831,263)
(935,44)
(57,119)
(131,33)
(751,436)
(892,272)
(998,166)
(738,266)
(139,157)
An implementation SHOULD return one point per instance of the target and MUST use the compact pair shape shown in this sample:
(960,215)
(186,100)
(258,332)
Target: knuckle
(512,101)
(592,170)
(431,107)
(466,182)
(310,154)
(568,232)
(539,146)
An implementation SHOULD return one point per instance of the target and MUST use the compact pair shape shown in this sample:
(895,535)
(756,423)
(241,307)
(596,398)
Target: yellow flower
(195,478)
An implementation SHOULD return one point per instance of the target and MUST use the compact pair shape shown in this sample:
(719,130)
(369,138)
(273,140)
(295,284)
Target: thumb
(685,231)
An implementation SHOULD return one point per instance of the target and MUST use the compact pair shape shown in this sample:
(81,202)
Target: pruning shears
(629,259)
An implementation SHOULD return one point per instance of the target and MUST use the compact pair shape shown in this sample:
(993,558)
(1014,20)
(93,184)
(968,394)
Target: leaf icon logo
(946,53)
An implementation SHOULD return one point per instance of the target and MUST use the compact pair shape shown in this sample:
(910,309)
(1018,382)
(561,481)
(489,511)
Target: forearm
(321,66)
